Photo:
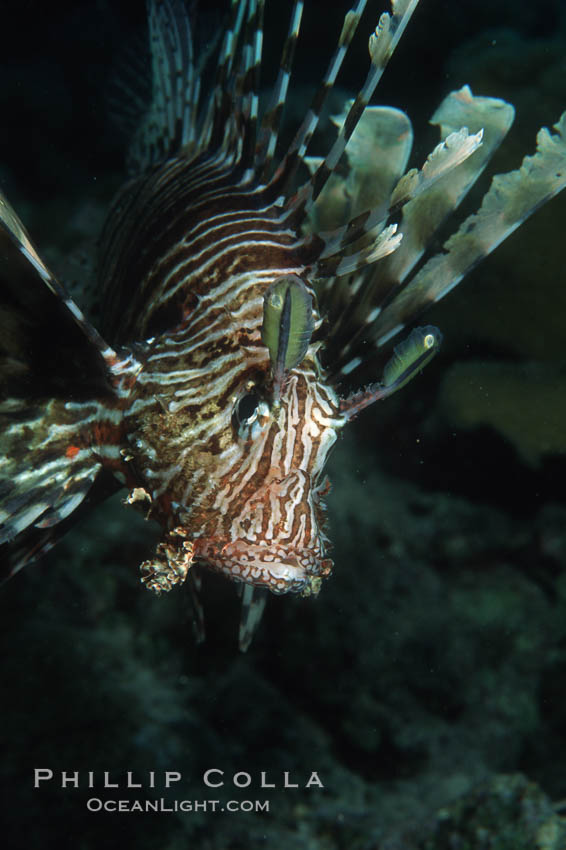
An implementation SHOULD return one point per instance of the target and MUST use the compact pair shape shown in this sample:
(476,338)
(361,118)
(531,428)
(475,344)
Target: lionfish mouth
(274,568)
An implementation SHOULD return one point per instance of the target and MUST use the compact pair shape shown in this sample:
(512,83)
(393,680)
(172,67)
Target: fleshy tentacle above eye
(288,324)
(409,358)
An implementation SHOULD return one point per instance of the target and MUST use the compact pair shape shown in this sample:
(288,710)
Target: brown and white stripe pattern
(261,491)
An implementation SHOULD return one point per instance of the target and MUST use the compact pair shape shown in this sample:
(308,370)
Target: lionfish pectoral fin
(54,386)
(36,540)
(253,603)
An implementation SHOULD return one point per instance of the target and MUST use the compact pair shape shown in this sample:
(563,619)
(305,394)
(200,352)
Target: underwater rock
(507,812)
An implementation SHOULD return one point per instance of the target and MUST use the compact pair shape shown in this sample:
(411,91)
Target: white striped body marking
(250,504)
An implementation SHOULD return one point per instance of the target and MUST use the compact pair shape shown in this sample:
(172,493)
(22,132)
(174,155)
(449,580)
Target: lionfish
(231,319)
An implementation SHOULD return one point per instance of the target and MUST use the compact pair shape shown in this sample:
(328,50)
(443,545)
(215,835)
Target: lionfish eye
(246,408)
(249,415)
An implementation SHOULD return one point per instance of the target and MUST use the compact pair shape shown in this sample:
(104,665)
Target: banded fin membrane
(55,393)
(36,541)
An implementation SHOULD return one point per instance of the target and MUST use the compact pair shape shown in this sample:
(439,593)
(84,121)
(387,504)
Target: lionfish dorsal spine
(382,43)
(377,303)
(212,129)
(295,154)
(271,121)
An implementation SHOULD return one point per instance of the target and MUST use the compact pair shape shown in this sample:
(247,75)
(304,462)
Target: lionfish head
(272,503)
(249,501)
(256,513)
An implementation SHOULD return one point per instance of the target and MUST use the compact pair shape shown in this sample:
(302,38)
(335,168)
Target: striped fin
(217,114)
(12,230)
(272,119)
(362,241)
(139,261)
(423,215)
(171,126)
(250,60)
(48,353)
(338,264)
(511,199)
(382,43)
(447,155)
(231,119)
(169,123)
(296,151)
(36,541)
(431,192)
(253,603)
(377,156)
(247,84)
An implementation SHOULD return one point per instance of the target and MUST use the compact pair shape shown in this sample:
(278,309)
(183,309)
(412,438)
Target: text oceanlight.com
(95,804)
(172,780)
